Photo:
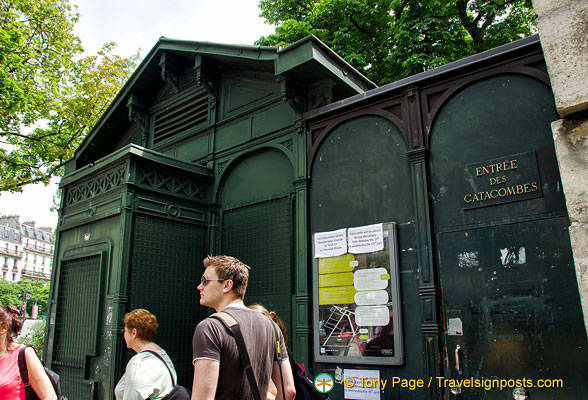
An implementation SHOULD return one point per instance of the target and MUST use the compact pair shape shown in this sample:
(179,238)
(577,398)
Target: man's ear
(227,286)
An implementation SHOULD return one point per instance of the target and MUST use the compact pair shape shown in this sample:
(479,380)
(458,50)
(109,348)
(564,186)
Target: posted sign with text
(357,295)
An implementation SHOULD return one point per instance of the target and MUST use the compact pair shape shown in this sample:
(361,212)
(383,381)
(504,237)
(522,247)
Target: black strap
(233,326)
(22,366)
(24,373)
(163,361)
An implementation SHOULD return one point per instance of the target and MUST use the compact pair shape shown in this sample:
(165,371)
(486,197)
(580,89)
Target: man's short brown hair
(144,322)
(228,267)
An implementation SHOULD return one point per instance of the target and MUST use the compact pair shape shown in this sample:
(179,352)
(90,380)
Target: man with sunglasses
(218,372)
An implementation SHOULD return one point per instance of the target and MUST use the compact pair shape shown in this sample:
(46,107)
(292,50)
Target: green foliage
(36,46)
(36,338)
(11,294)
(50,97)
(389,40)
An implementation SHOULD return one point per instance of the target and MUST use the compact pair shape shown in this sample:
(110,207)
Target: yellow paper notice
(330,265)
(337,295)
(344,279)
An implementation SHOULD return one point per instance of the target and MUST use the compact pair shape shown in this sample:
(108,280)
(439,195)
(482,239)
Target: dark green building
(413,236)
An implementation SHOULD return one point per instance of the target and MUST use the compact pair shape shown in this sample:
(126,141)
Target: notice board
(357,295)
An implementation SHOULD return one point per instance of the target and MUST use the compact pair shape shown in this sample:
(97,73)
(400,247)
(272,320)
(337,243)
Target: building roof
(36,233)
(10,234)
(504,52)
(305,62)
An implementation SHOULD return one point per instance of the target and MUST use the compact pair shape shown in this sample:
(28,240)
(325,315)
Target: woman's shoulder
(139,358)
(147,357)
(139,364)
(29,350)
(146,364)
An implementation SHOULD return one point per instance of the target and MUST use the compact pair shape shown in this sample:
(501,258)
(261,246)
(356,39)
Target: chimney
(11,220)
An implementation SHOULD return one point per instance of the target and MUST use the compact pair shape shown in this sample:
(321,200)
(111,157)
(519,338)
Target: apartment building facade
(26,251)
(10,251)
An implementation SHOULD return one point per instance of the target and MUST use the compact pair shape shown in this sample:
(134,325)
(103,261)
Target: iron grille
(165,270)
(260,235)
(181,117)
(75,325)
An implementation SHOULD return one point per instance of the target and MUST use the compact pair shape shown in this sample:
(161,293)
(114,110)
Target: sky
(136,26)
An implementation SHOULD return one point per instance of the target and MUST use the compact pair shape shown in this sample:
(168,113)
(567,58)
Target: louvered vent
(181,117)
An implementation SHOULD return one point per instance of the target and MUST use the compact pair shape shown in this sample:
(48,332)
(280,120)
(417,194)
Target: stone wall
(563,30)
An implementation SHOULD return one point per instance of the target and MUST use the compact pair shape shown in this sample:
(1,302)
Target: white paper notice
(366,239)
(371,279)
(372,316)
(372,297)
(454,327)
(330,244)
(362,384)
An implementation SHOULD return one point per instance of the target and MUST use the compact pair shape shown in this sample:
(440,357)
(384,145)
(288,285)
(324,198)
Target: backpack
(304,382)
(178,392)
(24,374)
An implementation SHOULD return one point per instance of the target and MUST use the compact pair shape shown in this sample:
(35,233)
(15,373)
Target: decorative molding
(170,183)
(205,78)
(118,298)
(430,329)
(139,114)
(428,290)
(289,95)
(288,144)
(167,209)
(413,118)
(172,210)
(299,127)
(320,93)
(168,73)
(302,330)
(100,184)
(221,166)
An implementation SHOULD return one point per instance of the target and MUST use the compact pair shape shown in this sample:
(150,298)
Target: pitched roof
(306,61)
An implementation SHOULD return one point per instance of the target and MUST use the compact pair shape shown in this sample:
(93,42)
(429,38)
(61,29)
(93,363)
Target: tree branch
(39,139)
(398,11)
(14,163)
(357,26)
(471,27)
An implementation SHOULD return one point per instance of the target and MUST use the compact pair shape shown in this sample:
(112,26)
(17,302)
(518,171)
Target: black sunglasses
(204,280)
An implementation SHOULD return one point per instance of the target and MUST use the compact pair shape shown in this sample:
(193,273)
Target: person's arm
(289,389)
(272,390)
(205,378)
(38,377)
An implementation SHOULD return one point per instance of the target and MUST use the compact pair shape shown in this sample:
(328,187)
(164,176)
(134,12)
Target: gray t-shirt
(213,341)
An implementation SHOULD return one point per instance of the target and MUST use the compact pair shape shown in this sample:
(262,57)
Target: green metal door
(165,269)
(510,302)
(261,234)
(257,225)
(77,324)
(361,175)
(508,308)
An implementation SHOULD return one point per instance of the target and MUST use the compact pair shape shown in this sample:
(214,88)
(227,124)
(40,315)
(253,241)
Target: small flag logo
(323,383)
